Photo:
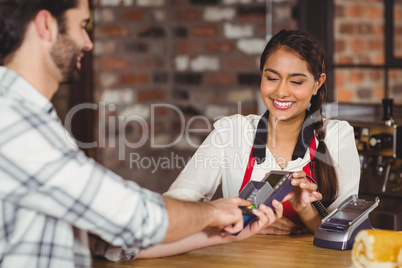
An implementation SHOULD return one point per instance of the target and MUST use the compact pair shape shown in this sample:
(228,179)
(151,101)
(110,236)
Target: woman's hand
(283,226)
(266,217)
(213,235)
(303,193)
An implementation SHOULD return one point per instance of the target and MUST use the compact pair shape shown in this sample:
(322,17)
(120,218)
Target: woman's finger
(299,174)
(308,186)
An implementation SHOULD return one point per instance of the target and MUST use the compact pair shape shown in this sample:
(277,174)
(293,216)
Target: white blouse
(223,157)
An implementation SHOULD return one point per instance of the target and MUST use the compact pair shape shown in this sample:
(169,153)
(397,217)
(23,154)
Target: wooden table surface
(257,251)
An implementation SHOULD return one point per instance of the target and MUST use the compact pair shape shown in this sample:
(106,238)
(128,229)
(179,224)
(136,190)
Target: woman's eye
(271,79)
(297,83)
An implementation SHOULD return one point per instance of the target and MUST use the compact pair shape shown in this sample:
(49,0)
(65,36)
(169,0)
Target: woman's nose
(281,90)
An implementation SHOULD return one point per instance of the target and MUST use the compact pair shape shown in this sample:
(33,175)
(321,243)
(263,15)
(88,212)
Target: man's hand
(266,217)
(212,235)
(186,218)
(228,216)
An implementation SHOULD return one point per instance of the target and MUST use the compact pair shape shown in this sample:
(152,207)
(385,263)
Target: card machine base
(339,228)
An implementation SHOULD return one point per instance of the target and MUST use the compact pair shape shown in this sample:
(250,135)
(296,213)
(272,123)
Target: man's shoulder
(8,111)
(12,111)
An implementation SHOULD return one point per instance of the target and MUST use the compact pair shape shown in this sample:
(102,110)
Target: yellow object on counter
(377,249)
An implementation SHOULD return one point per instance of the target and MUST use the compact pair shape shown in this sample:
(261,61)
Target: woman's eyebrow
(271,70)
(290,75)
(297,74)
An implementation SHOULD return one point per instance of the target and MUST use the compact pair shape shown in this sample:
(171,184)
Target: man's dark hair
(16,14)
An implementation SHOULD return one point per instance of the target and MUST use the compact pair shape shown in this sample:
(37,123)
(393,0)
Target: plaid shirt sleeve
(42,171)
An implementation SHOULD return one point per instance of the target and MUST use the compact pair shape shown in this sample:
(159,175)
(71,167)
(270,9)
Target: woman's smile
(287,85)
(282,105)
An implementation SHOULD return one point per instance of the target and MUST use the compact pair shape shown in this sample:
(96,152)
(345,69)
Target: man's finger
(242,202)
(235,228)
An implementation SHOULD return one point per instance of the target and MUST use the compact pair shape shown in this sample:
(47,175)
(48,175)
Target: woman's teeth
(282,103)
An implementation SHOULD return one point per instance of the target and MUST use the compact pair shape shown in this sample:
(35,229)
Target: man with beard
(51,194)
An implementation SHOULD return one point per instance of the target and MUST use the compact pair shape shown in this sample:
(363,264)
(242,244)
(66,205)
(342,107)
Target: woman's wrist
(310,217)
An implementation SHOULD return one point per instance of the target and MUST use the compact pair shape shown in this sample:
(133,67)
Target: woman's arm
(200,178)
(209,236)
(220,154)
(301,197)
(342,147)
(198,240)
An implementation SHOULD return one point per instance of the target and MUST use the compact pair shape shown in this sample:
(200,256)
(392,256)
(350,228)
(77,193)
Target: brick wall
(396,75)
(359,40)
(164,68)
(359,32)
(167,68)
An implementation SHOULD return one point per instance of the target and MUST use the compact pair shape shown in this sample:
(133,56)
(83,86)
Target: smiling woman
(291,135)
(287,86)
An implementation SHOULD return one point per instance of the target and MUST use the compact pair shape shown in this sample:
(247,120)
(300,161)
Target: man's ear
(46,25)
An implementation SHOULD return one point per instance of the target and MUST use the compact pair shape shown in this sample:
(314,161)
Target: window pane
(395,85)
(359,32)
(359,85)
(398,29)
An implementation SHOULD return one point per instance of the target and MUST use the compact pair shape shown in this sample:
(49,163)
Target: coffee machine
(380,150)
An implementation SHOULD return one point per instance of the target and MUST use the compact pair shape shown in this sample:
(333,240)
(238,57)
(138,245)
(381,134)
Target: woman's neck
(282,138)
(284,131)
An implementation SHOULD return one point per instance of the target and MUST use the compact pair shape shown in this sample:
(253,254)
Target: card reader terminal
(339,228)
(275,185)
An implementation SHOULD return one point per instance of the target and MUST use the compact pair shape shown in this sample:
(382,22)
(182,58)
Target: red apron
(288,211)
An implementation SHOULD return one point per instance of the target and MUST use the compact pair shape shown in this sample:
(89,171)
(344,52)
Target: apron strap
(309,168)
(249,170)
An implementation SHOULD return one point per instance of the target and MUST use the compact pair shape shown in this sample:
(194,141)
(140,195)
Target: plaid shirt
(52,195)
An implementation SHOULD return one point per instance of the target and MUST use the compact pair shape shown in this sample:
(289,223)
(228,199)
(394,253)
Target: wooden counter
(257,251)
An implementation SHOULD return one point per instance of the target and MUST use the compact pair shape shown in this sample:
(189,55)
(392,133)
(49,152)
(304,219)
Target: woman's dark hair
(310,49)
(16,14)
